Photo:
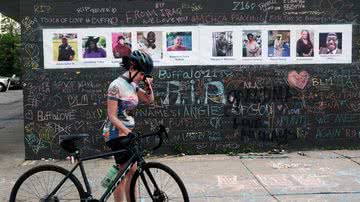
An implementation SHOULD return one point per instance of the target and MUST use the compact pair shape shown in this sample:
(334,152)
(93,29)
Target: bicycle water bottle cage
(68,142)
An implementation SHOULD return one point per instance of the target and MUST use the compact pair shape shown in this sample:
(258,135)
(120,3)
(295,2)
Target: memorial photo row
(198,45)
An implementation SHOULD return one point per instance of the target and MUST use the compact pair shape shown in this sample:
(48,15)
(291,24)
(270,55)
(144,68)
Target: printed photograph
(305,43)
(222,45)
(94,47)
(121,44)
(150,42)
(252,43)
(179,41)
(279,43)
(65,46)
(330,43)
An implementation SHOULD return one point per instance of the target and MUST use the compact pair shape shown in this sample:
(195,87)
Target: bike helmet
(140,61)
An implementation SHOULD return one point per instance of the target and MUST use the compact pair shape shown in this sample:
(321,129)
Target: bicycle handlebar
(159,133)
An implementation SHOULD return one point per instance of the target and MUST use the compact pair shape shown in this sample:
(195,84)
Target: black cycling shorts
(118,144)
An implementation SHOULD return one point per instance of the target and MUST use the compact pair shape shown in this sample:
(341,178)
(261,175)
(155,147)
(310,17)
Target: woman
(124,94)
(304,47)
(92,50)
(252,47)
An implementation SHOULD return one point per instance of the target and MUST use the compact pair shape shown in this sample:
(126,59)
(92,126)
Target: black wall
(261,111)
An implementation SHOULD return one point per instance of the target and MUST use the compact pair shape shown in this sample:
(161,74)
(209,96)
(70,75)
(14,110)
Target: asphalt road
(11,124)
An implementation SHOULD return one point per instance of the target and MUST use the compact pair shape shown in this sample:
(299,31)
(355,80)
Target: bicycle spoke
(167,182)
(144,180)
(48,182)
(168,188)
(173,188)
(35,188)
(63,193)
(33,192)
(53,181)
(26,198)
(41,184)
(41,181)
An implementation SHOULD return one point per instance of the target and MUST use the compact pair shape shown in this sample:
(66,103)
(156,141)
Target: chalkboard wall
(206,108)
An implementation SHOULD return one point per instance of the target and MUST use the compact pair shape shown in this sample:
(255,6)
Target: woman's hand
(147,95)
(125,131)
(148,85)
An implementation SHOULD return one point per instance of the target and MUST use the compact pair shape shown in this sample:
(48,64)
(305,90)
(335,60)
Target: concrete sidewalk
(314,176)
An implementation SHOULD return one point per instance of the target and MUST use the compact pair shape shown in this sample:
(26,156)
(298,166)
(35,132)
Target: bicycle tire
(2,87)
(29,177)
(162,195)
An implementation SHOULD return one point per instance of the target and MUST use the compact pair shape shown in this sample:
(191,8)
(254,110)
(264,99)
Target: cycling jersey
(126,94)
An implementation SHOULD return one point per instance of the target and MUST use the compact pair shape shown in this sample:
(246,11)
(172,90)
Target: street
(287,177)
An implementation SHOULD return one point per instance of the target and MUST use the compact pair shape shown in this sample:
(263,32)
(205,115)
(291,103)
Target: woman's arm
(112,110)
(147,95)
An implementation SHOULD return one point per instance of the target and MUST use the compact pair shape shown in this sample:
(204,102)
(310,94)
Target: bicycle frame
(119,177)
(136,157)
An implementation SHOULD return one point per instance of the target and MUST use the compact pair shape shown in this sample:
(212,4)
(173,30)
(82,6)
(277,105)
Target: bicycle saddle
(68,142)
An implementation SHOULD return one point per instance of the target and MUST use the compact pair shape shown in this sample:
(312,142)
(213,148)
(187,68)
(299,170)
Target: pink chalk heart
(298,80)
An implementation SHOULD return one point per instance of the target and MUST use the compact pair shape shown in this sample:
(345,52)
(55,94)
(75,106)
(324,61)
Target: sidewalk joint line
(257,179)
(320,193)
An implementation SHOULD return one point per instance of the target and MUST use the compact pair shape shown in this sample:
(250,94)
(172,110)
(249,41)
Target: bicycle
(154,189)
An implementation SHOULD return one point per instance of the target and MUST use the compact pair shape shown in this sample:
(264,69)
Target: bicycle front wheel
(157,183)
(37,183)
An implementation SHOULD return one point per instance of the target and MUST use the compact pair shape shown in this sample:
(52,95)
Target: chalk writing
(92,10)
(42,8)
(290,5)
(194,7)
(243,5)
(27,23)
(217,108)
(269,5)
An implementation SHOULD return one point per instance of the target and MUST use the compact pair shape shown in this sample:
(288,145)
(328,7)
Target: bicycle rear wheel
(157,183)
(37,183)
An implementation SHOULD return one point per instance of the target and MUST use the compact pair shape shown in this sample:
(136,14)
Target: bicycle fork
(156,196)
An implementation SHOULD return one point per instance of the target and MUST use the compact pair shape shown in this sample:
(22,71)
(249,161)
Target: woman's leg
(119,192)
(128,181)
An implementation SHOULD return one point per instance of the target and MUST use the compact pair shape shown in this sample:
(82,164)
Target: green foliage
(9,55)
(102,42)
(178,148)
(9,48)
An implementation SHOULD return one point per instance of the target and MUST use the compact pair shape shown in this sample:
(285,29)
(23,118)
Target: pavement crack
(347,158)
(257,179)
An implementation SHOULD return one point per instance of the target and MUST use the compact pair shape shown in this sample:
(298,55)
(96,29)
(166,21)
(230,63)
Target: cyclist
(124,94)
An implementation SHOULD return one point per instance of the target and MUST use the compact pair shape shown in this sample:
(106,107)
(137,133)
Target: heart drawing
(298,80)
